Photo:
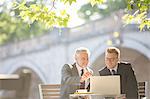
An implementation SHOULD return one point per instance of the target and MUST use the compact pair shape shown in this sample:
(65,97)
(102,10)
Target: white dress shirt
(115,69)
(85,70)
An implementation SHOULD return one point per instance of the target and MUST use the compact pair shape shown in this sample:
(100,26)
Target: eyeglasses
(111,59)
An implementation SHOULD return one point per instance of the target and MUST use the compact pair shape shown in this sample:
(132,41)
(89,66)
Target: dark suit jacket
(70,80)
(128,79)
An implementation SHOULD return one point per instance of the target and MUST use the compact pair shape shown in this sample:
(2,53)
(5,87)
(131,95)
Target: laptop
(105,85)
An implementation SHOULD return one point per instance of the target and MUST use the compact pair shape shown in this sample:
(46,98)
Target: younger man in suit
(115,67)
(76,76)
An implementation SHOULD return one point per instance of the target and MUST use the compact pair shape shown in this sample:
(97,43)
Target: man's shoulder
(68,66)
(102,69)
(125,65)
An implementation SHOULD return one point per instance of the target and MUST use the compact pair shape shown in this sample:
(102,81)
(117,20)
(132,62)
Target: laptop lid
(105,85)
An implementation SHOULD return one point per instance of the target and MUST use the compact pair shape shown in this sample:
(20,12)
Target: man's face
(82,59)
(111,60)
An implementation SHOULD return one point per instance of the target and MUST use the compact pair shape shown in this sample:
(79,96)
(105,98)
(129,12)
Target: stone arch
(127,43)
(133,51)
(33,92)
(27,64)
(136,45)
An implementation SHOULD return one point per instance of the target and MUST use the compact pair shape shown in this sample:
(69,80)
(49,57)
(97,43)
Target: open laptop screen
(105,85)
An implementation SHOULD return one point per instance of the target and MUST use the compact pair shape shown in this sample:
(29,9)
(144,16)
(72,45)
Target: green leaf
(94,2)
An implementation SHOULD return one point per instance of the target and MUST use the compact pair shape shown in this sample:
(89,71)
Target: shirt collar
(79,68)
(115,68)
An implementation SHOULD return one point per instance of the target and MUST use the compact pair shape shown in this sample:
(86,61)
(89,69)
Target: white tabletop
(9,76)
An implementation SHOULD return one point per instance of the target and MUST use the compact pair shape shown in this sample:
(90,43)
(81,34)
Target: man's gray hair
(82,49)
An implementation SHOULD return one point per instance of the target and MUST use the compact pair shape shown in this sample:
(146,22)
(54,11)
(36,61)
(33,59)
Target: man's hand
(85,76)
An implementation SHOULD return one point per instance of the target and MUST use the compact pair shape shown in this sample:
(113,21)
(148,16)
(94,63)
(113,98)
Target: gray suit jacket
(128,79)
(70,80)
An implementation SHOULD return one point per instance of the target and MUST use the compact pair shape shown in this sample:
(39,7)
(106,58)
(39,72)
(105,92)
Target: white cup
(81,90)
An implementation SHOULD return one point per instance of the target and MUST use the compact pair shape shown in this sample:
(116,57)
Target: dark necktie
(82,71)
(82,84)
(113,72)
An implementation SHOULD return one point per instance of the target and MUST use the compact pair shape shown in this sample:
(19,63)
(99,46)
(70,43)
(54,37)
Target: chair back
(142,89)
(49,91)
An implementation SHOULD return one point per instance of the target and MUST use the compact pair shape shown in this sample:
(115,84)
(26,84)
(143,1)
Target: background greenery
(13,29)
(26,20)
(105,9)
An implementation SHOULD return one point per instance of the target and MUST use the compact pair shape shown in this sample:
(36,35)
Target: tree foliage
(105,9)
(138,13)
(50,18)
(40,13)
(13,29)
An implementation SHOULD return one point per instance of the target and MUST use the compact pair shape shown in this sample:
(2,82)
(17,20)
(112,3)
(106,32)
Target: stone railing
(26,46)
(94,28)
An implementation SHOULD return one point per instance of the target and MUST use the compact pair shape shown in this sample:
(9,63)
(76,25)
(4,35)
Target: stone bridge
(44,56)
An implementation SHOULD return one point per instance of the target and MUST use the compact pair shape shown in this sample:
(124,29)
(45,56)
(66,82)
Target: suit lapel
(74,70)
(107,71)
(119,69)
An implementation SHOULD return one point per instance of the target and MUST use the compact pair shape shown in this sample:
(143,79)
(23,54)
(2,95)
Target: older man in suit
(115,67)
(76,76)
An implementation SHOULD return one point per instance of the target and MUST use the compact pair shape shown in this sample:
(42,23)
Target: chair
(142,89)
(49,91)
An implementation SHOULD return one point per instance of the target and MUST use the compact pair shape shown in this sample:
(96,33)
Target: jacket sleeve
(132,89)
(68,77)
